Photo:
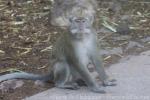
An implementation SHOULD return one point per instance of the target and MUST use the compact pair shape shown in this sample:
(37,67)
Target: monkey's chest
(88,44)
(84,47)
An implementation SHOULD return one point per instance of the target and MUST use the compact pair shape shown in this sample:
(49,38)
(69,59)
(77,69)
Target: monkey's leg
(77,77)
(81,67)
(62,76)
(106,81)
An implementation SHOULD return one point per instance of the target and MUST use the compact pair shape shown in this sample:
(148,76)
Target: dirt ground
(26,36)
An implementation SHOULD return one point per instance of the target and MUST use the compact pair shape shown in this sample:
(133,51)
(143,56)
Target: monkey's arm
(80,63)
(27,76)
(98,63)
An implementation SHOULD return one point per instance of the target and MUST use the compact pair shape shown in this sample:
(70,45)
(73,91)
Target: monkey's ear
(91,19)
(70,19)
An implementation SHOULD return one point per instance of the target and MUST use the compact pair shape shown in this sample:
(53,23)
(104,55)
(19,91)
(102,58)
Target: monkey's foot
(109,82)
(72,86)
(98,90)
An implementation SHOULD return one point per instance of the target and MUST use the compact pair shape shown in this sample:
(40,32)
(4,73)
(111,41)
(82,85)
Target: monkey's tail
(26,76)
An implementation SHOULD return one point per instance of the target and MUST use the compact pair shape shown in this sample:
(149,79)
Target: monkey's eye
(80,20)
(83,21)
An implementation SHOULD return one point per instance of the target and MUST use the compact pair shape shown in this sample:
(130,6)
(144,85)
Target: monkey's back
(61,47)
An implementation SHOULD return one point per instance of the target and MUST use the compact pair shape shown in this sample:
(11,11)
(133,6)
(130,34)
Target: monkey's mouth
(78,35)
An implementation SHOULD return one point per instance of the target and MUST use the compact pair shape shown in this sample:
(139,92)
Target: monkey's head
(79,27)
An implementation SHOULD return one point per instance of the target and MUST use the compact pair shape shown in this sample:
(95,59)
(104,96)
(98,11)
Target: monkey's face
(79,27)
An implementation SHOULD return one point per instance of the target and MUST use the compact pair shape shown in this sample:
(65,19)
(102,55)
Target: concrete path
(133,83)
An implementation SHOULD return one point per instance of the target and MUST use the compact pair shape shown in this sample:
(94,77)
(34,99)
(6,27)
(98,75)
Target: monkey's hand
(109,82)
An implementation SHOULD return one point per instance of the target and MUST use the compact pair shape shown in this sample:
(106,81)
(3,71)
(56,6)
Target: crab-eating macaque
(62,10)
(73,52)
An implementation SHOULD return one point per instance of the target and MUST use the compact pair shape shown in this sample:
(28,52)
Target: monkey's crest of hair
(62,10)
(79,12)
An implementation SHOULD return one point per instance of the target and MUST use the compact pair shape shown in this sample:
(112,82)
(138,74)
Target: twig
(42,67)
(47,49)
(11,70)
(105,36)
(27,50)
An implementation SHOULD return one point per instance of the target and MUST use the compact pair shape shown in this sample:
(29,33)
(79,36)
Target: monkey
(62,10)
(72,54)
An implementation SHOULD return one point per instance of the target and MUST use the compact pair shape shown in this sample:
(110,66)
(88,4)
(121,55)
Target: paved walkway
(133,83)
